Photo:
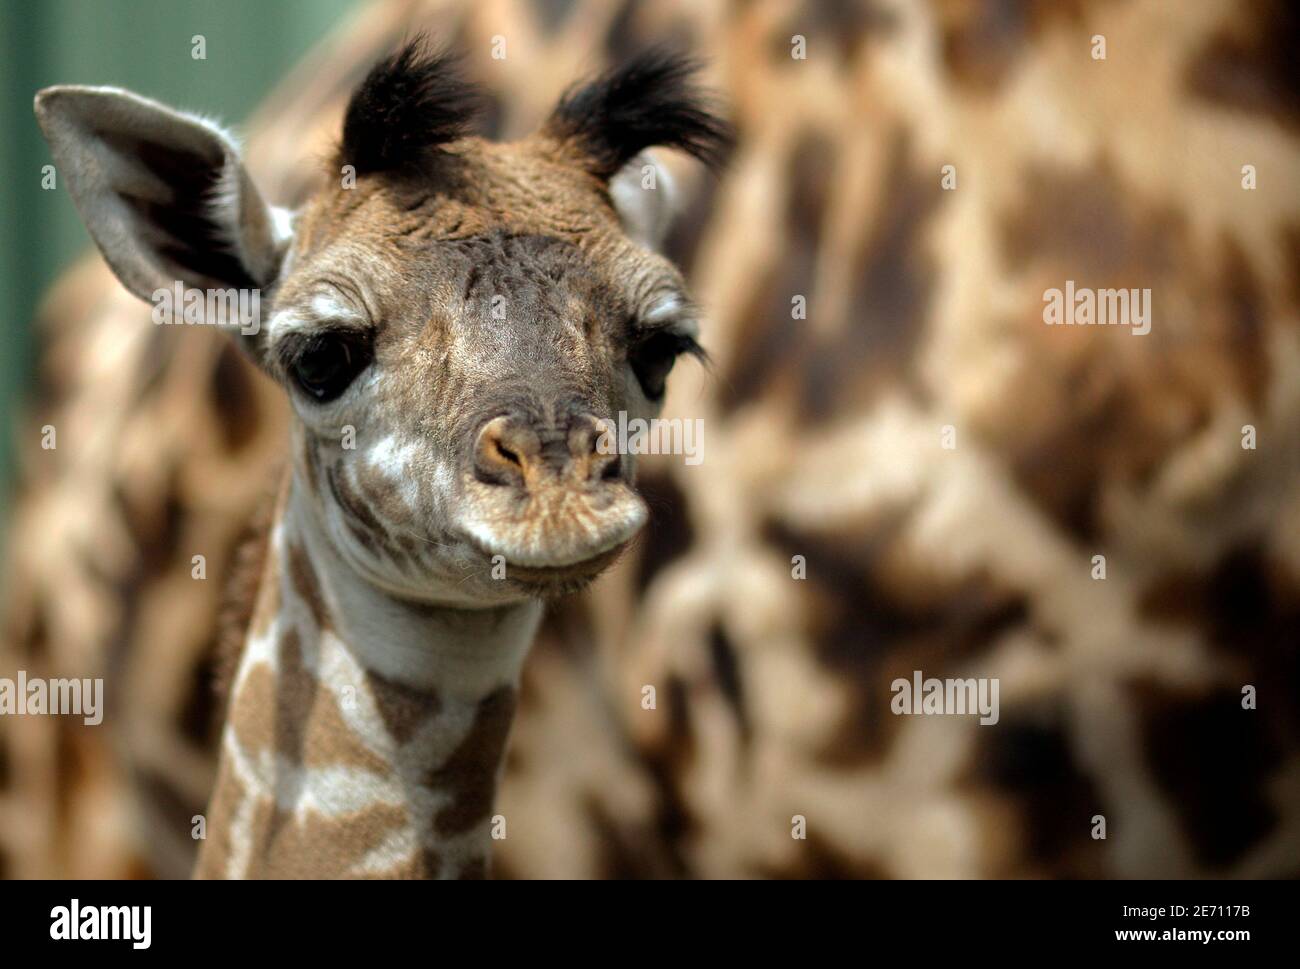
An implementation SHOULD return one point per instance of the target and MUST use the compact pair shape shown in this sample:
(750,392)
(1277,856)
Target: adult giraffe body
(924,309)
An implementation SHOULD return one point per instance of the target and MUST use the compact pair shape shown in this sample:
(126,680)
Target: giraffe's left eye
(329,363)
(652,359)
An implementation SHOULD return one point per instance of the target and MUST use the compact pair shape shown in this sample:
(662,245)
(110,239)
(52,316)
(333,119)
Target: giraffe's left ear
(645,197)
(163,194)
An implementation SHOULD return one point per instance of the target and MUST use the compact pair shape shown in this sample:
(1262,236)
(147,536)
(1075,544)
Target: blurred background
(920,172)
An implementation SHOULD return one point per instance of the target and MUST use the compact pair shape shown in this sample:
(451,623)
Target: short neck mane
(365,734)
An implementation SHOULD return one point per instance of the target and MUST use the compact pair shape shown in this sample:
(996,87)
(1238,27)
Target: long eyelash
(641,330)
(689,346)
(294,345)
(291,348)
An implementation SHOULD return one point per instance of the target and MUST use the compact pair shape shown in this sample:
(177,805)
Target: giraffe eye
(329,363)
(652,359)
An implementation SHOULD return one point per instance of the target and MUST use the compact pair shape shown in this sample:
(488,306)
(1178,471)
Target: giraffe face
(451,340)
(452,319)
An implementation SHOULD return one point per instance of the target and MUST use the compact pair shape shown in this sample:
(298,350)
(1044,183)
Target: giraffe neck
(365,734)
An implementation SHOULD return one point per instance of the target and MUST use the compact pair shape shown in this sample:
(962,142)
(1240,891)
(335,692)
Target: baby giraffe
(452,320)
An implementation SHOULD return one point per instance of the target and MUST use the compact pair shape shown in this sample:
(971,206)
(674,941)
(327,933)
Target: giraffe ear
(163,194)
(645,197)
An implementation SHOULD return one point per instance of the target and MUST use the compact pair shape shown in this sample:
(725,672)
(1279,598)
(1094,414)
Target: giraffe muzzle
(545,503)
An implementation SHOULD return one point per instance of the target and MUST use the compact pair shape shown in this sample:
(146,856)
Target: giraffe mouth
(555,542)
(563,578)
(550,568)
(549,580)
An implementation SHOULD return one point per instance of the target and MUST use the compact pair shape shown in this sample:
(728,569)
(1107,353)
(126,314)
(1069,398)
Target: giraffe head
(451,318)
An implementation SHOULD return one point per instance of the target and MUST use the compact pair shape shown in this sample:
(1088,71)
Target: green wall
(144,45)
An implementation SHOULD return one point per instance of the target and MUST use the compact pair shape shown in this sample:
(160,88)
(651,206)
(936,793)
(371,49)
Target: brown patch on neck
(295,696)
(252,595)
(470,773)
(252,710)
(403,708)
(305,582)
(310,845)
(426,863)
(309,727)
(228,793)
(286,710)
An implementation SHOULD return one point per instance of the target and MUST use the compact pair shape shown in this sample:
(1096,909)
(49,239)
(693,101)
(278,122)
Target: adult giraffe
(924,295)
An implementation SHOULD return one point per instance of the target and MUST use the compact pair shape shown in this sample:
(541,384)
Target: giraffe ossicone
(404,576)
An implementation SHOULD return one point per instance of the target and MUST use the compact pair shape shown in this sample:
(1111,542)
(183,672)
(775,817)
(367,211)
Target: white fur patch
(327,306)
(392,457)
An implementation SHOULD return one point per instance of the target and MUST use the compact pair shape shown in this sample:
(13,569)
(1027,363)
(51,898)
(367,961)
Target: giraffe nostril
(505,452)
(508,454)
(513,451)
